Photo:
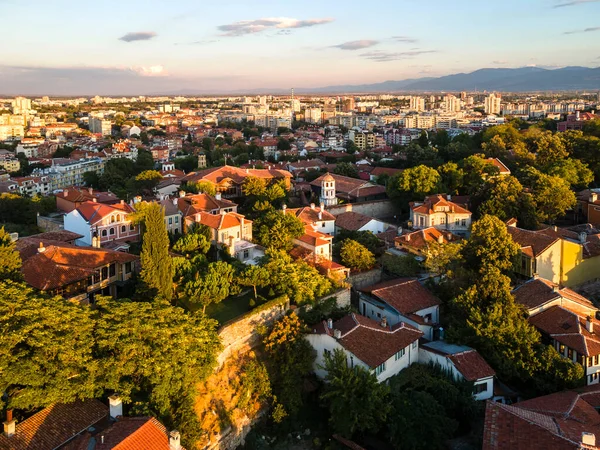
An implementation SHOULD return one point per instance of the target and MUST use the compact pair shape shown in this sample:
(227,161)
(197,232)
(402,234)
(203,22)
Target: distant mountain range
(503,80)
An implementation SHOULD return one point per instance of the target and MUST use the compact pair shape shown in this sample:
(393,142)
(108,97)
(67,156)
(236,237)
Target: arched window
(103,233)
(112,231)
(118,217)
(112,219)
(123,228)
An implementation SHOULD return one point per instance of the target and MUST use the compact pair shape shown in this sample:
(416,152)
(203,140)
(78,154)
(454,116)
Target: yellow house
(562,256)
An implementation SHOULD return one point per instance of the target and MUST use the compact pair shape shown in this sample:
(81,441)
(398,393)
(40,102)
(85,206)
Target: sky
(135,47)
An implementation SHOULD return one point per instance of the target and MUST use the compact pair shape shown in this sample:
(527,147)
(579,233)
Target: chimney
(399,231)
(65,192)
(322,206)
(198,217)
(337,334)
(407,238)
(10,425)
(122,202)
(116,406)
(555,288)
(174,202)
(284,208)
(384,322)
(41,248)
(174,440)
(589,324)
(320,215)
(329,323)
(440,239)
(593,197)
(217,196)
(583,237)
(91,191)
(312,206)
(448,197)
(95,200)
(588,439)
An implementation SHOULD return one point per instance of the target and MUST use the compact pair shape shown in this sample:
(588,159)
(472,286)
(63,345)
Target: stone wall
(379,209)
(47,224)
(363,279)
(241,335)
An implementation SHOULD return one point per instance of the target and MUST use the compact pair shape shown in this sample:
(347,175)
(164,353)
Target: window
(176,219)
(112,269)
(170,221)
(596,360)
(112,219)
(561,349)
(326,353)
(246,254)
(414,345)
(443,220)
(127,267)
(131,227)
(112,231)
(463,223)
(118,217)
(104,273)
(123,228)
(323,224)
(380,369)
(570,354)
(432,221)
(480,388)
(399,354)
(421,221)
(104,234)
(589,362)
(456,222)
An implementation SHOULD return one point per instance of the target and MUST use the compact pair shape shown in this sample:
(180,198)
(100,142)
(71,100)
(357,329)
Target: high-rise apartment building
(452,103)
(101,126)
(349,104)
(21,105)
(492,104)
(417,104)
(312,115)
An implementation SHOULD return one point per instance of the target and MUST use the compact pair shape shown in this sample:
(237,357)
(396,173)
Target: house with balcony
(401,300)
(378,347)
(439,211)
(567,321)
(75,273)
(110,223)
(317,217)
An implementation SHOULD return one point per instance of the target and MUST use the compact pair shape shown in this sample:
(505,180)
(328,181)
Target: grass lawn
(230,308)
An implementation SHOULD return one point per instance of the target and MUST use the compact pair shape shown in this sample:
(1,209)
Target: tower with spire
(328,190)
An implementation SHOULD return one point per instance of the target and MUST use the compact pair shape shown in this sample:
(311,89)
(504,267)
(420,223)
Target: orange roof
(405,295)
(437,203)
(94,212)
(55,425)
(217,174)
(135,433)
(314,238)
(311,215)
(221,221)
(419,239)
(193,204)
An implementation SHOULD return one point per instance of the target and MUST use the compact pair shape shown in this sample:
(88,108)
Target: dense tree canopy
(275,229)
(10,260)
(356,256)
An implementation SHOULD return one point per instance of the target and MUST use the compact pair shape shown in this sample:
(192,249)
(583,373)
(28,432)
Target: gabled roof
(466,360)
(221,221)
(352,221)
(350,187)
(135,433)
(61,264)
(80,195)
(385,171)
(421,238)
(193,204)
(217,174)
(539,291)
(499,164)
(437,203)
(533,242)
(94,212)
(55,425)
(405,295)
(310,215)
(368,340)
(555,421)
(314,238)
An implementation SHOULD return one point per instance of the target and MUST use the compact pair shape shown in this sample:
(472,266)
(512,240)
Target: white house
(173,216)
(108,222)
(317,217)
(463,363)
(353,221)
(440,212)
(401,300)
(386,350)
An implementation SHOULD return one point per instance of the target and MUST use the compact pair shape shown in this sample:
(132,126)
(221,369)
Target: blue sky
(137,47)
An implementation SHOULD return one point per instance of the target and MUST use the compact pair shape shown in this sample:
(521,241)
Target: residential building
(462,363)
(191,204)
(71,198)
(401,300)
(492,104)
(383,171)
(353,221)
(441,212)
(567,321)
(313,115)
(33,185)
(70,173)
(110,224)
(562,421)
(330,187)
(317,217)
(9,163)
(557,254)
(99,125)
(76,273)
(417,104)
(376,346)
(173,216)
(418,242)
(503,171)
(229,180)
(11,132)
(21,105)
(576,121)
(318,245)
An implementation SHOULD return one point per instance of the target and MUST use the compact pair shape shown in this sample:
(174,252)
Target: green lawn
(230,308)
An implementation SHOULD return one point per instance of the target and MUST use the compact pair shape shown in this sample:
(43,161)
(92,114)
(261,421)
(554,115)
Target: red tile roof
(135,433)
(471,365)
(221,221)
(352,221)
(437,203)
(539,291)
(385,171)
(420,239)
(62,264)
(55,425)
(405,295)
(94,212)
(369,341)
(217,174)
(192,204)
(350,187)
(309,215)
(314,238)
(537,241)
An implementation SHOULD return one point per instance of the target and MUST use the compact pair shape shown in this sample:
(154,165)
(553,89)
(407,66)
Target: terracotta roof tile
(135,433)
(94,212)
(352,221)
(421,238)
(405,295)
(55,425)
(538,291)
(437,203)
(309,215)
(537,241)
(471,365)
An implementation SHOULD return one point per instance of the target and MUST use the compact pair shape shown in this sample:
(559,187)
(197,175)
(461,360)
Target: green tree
(254,186)
(157,270)
(213,285)
(283,144)
(439,257)
(495,148)
(356,401)
(417,182)
(402,266)
(10,259)
(255,276)
(552,195)
(275,229)
(346,169)
(573,171)
(91,179)
(356,256)
(45,349)
(501,197)
(192,243)
(452,177)
(290,359)
(147,180)
(477,170)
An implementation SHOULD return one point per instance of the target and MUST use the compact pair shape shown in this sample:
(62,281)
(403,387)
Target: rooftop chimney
(337,334)
(320,215)
(448,197)
(440,239)
(384,322)
(312,206)
(10,425)
(322,206)
(589,324)
(217,196)
(588,439)
(555,288)
(593,197)
(182,193)
(116,406)
(174,440)
(95,200)
(329,323)
(583,237)
(284,208)
(65,192)
(91,191)
(41,248)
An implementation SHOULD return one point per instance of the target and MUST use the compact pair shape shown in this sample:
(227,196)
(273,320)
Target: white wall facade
(75,223)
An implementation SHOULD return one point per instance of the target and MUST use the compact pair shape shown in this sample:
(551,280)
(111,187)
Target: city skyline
(150,47)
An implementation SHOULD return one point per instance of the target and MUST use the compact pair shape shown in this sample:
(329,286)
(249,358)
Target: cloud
(138,36)
(152,71)
(500,62)
(381,56)
(256,26)
(585,30)
(575,3)
(406,39)
(356,45)
(202,42)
